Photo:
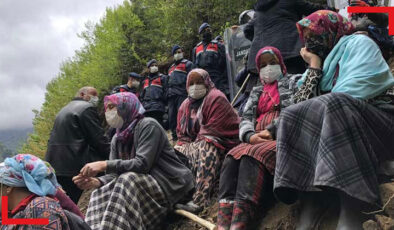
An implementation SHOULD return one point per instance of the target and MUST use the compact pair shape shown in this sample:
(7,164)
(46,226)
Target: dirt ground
(175,222)
(278,217)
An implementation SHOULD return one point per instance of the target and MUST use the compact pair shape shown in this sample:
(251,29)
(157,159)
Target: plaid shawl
(332,141)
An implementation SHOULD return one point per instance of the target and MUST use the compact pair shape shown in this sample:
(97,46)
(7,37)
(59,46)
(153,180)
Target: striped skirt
(263,152)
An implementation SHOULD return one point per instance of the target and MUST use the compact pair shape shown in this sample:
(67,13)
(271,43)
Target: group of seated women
(322,132)
(335,128)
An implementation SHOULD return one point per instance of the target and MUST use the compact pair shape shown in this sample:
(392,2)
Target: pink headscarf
(270,96)
(274,51)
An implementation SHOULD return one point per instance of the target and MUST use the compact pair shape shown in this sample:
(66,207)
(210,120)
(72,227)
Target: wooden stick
(240,90)
(196,219)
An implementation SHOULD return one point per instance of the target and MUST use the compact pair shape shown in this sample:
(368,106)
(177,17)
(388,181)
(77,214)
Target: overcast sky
(35,37)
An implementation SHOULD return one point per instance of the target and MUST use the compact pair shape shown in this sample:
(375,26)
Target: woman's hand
(255,139)
(260,137)
(85,183)
(94,168)
(265,134)
(312,59)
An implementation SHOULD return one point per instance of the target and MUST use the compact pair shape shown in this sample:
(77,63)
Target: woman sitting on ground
(31,187)
(144,177)
(207,128)
(333,143)
(248,167)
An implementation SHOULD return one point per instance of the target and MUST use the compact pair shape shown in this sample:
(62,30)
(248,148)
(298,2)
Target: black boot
(313,207)
(351,216)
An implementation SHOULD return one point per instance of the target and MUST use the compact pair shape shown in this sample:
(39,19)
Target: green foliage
(123,41)
(182,18)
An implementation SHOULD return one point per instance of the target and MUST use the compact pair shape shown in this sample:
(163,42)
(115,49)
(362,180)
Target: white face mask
(178,56)
(197,91)
(135,84)
(154,69)
(94,100)
(113,119)
(270,73)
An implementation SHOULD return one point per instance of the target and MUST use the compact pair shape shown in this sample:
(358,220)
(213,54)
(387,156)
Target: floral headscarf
(25,170)
(274,51)
(130,109)
(327,26)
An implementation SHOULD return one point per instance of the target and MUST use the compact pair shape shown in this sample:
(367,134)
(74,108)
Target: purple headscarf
(131,111)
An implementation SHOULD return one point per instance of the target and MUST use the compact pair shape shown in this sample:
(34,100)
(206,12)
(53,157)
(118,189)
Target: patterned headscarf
(204,74)
(215,119)
(25,170)
(326,25)
(130,109)
(274,51)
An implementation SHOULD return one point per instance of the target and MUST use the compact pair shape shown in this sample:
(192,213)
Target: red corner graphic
(6,221)
(388,10)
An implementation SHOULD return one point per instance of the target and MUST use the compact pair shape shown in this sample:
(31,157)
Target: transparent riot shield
(237,46)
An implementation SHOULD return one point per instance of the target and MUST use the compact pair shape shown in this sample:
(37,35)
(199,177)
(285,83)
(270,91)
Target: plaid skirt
(131,201)
(332,142)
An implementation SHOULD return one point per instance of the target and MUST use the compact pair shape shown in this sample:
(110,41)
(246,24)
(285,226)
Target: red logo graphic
(389,10)
(6,221)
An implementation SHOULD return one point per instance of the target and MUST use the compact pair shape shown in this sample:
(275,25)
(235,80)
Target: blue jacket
(177,76)
(153,95)
(212,58)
